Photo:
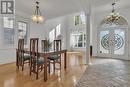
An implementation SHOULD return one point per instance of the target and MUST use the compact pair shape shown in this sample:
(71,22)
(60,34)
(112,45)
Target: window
(58,28)
(79,19)
(53,34)
(22,30)
(9,32)
(78,39)
(8,23)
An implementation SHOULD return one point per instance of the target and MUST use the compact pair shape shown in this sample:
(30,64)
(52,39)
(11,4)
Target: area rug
(106,73)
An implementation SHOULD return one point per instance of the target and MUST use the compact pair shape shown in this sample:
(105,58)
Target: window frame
(78,19)
(9,39)
(56,30)
(26,35)
(77,42)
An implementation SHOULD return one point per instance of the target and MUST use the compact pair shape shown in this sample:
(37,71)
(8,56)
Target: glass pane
(9,36)
(119,42)
(104,42)
(83,18)
(78,39)
(58,30)
(52,35)
(19,24)
(11,24)
(8,22)
(77,20)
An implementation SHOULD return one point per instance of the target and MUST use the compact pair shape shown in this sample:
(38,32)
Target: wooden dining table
(44,55)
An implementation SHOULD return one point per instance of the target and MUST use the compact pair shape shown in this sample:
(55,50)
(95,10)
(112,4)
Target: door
(113,43)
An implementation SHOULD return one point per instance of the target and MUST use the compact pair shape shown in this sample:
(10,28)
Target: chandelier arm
(40,12)
(37,8)
(113,5)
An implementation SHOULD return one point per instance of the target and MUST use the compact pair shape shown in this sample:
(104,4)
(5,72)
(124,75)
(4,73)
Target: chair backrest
(57,45)
(21,50)
(21,44)
(34,46)
(45,45)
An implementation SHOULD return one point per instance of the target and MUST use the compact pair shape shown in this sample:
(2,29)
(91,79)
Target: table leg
(45,68)
(65,60)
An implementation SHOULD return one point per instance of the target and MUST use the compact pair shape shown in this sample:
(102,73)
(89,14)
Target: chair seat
(39,62)
(27,57)
(54,57)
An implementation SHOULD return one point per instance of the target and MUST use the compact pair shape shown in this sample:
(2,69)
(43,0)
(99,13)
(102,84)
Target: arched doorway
(113,39)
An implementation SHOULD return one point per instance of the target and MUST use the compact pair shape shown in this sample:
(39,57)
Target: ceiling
(56,8)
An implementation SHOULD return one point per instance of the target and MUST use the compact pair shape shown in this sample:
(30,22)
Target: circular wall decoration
(117,42)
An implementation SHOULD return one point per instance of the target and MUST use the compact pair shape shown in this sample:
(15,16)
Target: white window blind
(9,32)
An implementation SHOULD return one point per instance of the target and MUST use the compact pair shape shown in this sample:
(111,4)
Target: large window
(78,39)
(9,31)
(79,19)
(22,30)
(54,33)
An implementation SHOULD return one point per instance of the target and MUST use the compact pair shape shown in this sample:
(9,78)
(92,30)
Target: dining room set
(40,59)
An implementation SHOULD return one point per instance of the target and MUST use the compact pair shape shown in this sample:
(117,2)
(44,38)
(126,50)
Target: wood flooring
(101,73)
(11,77)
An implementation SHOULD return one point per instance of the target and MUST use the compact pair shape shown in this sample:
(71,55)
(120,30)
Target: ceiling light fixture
(113,17)
(37,17)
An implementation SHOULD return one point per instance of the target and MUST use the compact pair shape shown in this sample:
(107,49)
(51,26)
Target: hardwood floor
(102,73)
(10,77)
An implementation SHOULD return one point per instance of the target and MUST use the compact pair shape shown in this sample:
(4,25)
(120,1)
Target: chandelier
(113,17)
(37,17)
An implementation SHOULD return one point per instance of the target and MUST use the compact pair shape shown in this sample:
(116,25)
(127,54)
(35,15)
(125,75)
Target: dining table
(45,56)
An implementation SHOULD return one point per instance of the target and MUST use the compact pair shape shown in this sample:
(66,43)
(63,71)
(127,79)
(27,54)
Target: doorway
(113,42)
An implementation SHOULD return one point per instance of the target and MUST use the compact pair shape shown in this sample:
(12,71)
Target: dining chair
(37,63)
(45,45)
(56,58)
(22,57)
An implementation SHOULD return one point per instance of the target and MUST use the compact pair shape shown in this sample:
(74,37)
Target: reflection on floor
(106,73)
(10,77)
